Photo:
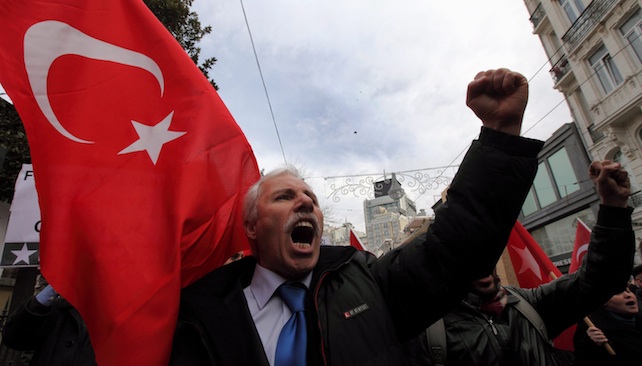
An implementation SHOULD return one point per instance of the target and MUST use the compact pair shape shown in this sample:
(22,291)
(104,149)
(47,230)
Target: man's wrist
(510,144)
(614,217)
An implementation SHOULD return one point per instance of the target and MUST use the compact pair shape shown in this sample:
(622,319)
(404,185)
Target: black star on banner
(20,254)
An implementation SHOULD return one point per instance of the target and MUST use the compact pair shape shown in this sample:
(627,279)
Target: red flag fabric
(355,242)
(580,247)
(533,268)
(140,168)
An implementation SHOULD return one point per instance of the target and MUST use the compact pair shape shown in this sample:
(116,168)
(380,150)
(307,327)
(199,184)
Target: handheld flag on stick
(532,265)
(139,167)
(580,247)
(534,268)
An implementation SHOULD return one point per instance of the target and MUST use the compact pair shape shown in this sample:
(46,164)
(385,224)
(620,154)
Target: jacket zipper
(492,326)
(316,303)
(316,307)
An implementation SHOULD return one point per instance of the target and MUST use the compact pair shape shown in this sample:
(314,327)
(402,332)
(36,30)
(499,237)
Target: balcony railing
(623,98)
(561,68)
(537,16)
(587,21)
(635,199)
(595,135)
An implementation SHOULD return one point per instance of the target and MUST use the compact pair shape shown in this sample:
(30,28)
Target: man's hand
(498,98)
(612,182)
(47,296)
(596,335)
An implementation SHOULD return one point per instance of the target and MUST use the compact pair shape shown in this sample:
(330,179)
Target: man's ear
(250,230)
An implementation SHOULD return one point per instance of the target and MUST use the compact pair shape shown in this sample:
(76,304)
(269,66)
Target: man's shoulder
(331,254)
(516,294)
(220,280)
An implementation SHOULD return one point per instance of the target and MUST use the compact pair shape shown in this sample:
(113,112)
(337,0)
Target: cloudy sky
(361,87)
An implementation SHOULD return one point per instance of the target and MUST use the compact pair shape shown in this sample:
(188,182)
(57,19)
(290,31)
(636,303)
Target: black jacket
(473,338)
(360,308)
(625,340)
(57,334)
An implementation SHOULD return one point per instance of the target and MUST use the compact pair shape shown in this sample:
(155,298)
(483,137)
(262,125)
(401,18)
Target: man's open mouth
(303,233)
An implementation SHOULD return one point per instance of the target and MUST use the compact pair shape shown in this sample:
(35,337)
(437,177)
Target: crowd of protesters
(295,302)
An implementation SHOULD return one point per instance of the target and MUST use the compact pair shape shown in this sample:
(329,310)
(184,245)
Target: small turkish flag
(354,241)
(140,168)
(580,247)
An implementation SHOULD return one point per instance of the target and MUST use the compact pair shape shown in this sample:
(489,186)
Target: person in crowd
(494,325)
(236,256)
(48,325)
(619,324)
(295,302)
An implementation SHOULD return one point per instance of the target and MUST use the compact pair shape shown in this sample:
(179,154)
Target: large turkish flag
(140,168)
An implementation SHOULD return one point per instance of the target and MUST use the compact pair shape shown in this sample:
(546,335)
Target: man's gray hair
(250,203)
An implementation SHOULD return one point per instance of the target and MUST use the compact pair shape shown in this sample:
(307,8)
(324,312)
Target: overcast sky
(361,87)
(393,72)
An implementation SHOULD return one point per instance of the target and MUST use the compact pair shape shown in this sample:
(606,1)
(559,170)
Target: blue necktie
(293,340)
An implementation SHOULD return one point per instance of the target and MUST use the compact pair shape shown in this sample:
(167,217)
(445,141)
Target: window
(530,205)
(558,236)
(572,8)
(555,180)
(605,69)
(543,186)
(631,30)
(563,173)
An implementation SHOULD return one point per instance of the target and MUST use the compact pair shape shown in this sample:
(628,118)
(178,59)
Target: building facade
(562,193)
(340,235)
(595,51)
(387,215)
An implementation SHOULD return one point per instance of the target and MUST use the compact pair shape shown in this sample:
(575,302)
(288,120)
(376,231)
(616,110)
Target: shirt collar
(265,282)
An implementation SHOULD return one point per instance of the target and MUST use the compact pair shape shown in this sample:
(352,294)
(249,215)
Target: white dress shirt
(269,312)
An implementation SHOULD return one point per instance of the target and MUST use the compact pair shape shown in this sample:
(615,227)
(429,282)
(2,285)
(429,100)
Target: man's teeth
(302,245)
(303,224)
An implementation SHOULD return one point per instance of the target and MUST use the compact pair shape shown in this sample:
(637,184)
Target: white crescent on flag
(580,252)
(48,40)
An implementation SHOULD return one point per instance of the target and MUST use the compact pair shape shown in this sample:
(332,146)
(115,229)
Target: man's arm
(424,279)
(26,327)
(608,262)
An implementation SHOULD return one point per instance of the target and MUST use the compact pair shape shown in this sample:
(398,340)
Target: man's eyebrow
(292,191)
(283,190)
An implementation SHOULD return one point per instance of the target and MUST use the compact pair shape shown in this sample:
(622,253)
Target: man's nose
(305,203)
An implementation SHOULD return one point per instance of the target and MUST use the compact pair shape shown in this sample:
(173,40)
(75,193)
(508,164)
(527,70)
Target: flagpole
(608,347)
(588,322)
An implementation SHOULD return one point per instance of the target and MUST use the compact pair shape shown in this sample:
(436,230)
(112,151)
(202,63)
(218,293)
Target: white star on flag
(152,138)
(23,254)
(529,262)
